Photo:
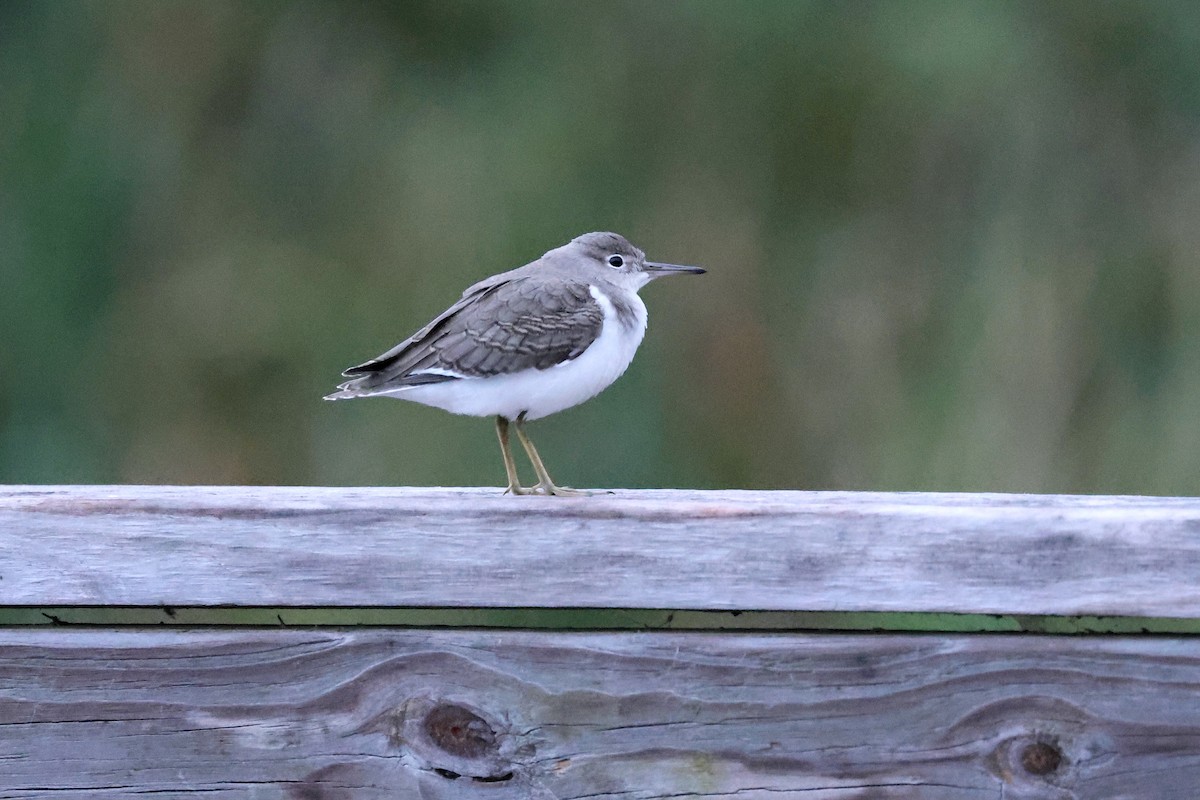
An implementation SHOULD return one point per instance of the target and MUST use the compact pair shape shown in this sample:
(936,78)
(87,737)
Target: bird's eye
(616,261)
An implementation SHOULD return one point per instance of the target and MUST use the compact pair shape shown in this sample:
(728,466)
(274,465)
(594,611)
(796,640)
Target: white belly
(541,392)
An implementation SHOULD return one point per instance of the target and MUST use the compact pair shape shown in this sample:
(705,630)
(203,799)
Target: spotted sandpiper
(525,344)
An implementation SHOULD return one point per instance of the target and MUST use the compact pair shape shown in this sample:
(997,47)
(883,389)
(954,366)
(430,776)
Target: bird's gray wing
(395,359)
(503,325)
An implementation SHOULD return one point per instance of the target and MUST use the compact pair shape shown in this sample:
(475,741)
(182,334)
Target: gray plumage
(532,317)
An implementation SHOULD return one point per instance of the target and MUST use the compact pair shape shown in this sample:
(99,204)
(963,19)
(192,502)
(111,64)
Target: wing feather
(512,322)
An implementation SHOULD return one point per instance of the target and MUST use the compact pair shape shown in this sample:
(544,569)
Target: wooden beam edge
(592,619)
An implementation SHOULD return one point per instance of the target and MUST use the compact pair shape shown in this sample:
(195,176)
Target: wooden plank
(336,715)
(300,546)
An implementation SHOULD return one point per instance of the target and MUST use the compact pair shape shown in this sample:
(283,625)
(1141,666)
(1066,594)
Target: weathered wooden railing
(341,644)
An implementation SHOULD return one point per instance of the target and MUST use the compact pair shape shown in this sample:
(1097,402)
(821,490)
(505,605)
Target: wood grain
(805,551)
(336,715)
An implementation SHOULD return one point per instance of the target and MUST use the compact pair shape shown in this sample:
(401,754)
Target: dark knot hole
(460,731)
(1041,758)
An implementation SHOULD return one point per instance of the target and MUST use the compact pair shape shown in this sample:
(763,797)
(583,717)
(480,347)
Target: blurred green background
(951,245)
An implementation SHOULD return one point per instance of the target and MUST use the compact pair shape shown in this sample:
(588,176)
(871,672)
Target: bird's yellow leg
(510,466)
(544,483)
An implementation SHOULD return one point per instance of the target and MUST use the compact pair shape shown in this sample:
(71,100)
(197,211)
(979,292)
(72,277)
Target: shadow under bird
(525,344)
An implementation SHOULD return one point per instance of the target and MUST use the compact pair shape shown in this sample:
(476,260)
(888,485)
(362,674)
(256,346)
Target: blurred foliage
(952,245)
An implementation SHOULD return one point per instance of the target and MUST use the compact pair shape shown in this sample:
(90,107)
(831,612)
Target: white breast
(541,392)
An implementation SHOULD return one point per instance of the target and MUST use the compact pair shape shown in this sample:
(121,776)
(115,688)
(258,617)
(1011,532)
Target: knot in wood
(1041,758)
(459,731)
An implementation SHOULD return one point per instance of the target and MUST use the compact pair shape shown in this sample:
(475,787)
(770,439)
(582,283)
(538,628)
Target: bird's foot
(561,491)
(549,490)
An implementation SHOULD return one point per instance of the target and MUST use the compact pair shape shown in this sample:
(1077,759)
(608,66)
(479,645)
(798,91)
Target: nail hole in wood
(459,731)
(1041,758)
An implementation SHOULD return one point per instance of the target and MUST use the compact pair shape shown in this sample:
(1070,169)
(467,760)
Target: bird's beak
(657,270)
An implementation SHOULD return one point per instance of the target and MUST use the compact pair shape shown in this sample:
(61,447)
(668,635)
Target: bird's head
(614,253)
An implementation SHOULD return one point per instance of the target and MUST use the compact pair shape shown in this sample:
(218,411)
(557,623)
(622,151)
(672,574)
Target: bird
(525,344)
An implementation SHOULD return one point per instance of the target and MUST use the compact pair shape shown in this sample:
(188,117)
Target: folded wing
(503,325)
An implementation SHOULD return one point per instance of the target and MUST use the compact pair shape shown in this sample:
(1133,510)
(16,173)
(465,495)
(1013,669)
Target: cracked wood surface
(671,549)
(357,715)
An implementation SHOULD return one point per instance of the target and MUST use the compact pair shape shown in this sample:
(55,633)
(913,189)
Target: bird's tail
(349,390)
